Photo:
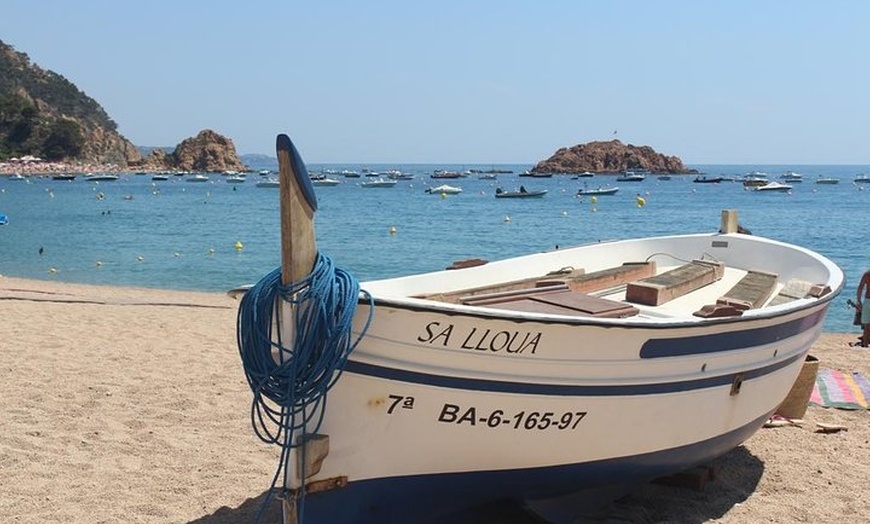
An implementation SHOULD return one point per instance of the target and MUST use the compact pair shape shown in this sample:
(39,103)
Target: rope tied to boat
(290,379)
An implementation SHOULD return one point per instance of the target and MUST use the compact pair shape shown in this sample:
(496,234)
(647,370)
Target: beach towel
(836,389)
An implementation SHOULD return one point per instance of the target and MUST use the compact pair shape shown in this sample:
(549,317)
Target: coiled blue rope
(290,384)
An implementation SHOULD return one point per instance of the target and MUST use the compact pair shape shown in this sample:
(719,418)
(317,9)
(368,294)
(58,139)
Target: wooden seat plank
(657,290)
(751,292)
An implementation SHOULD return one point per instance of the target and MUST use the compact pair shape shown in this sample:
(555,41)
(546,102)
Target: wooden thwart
(751,292)
(798,289)
(576,279)
(564,302)
(657,290)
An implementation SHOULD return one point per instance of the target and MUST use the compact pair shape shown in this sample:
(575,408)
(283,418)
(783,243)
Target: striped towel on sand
(835,389)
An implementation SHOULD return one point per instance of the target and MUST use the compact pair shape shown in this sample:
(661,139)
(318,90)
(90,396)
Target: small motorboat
(827,180)
(3,219)
(269,182)
(324,182)
(597,191)
(708,180)
(379,182)
(629,176)
(444,189)
(522,192)
(773,187)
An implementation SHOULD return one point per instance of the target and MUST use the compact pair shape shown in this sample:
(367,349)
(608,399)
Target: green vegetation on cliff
(43,114)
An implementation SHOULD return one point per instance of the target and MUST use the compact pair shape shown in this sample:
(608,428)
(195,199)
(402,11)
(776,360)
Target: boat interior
(698,288)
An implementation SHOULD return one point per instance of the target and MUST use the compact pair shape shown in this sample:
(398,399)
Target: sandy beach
(130,405)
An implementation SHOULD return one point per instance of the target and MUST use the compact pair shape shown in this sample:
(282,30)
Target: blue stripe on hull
(715,342)
(426,498)
(500,386)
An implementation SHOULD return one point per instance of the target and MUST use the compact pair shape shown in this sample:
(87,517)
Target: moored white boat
(444,189)
(269,182)
(827,180)
(324,182)
(773,187)
(101,177)
(522,192)
(630,176)
(197,177)
(530,378)
(583,191)
(379,182)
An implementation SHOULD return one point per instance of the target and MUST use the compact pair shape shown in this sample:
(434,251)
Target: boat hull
(445,405)
(404,418)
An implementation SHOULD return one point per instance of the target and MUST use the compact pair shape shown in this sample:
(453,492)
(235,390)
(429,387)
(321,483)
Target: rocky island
(610,157)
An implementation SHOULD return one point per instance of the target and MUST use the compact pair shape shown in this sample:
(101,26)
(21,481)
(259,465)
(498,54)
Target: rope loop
(290,379)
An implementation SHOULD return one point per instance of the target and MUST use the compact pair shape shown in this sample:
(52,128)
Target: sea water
(215,236)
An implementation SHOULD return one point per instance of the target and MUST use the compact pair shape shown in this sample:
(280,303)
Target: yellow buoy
(641,201)
(238,245)
(52,270)
(594,199)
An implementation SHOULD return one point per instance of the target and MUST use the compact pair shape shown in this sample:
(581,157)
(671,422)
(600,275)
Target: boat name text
(481,339)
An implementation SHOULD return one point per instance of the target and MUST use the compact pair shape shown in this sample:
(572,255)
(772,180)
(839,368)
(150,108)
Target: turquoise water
(181,235)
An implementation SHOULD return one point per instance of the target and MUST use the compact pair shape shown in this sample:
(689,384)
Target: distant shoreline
(50,168)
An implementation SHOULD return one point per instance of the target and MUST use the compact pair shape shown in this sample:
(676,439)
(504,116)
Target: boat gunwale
(417,304)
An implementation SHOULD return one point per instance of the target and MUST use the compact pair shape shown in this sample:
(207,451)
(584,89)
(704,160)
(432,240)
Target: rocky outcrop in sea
(610,157)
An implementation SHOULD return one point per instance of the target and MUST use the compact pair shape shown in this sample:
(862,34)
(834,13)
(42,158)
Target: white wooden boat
(530,378)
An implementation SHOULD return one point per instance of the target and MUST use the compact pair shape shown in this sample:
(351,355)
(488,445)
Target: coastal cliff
(46,117)
(43,114)
(610,157)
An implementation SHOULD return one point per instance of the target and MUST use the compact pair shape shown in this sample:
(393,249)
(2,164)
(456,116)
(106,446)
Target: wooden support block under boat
(657,290)
(751,291)
(565,302)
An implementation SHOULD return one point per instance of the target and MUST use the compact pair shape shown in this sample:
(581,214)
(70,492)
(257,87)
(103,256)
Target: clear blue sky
(446,81)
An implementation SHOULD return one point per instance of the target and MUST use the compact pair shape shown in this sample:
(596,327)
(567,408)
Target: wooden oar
(298,204)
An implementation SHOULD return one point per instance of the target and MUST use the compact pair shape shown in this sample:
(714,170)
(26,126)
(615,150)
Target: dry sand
(130,405)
